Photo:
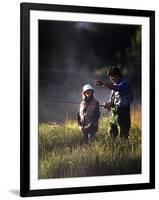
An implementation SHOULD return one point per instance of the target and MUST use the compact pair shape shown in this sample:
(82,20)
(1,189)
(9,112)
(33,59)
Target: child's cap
(87,87)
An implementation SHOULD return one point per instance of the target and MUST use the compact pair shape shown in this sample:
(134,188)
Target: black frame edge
(85,9)
(152,99)
(25,104)
(93,189)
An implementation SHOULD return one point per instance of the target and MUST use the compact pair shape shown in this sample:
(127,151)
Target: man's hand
(98,82)
(108,85)
(82,129)
(108,106)
(85,128)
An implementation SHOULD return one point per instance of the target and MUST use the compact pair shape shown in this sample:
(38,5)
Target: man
(119,104)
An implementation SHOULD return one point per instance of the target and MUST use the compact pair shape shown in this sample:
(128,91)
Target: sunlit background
(72,54)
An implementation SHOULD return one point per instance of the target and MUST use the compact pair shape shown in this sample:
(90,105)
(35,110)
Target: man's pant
(120,122)
(89,136)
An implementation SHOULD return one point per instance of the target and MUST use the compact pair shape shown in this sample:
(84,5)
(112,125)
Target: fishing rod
(65,102)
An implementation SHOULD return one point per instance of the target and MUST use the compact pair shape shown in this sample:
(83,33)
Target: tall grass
(63,153)
(136,117)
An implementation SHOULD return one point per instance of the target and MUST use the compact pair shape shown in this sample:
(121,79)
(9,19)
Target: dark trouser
(120,122)
(88,136)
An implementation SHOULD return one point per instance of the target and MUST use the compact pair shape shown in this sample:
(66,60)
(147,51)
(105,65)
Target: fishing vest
(123,96)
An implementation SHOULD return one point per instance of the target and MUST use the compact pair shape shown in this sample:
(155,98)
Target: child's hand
(98,82)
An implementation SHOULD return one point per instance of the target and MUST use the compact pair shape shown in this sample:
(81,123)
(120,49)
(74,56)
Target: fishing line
(64,102)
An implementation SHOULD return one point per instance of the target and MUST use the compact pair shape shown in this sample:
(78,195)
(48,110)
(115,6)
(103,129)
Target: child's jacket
(88,115)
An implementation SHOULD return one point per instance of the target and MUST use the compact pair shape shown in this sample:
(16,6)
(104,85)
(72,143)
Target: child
(88,114)
(119,104)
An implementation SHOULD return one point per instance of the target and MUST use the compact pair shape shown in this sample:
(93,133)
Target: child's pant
(120,122)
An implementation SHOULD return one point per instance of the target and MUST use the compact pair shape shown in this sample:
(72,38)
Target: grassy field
(62,152)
